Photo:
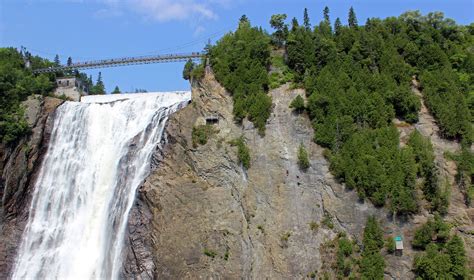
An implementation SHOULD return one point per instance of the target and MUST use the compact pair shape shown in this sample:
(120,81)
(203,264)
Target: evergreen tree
(352,18)
(294,24)
(57,62)
(69,61)
(99,87)
(337,26)
(306,21)
(457,254)
(116,90)
(372,264)
(326,15)
(244,19)
(297,104)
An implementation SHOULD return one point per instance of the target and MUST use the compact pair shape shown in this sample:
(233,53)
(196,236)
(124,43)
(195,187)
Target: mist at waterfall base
(99,153)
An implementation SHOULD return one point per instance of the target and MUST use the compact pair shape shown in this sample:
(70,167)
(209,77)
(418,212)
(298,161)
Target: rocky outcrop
(459,214)
(19,164)
(207,217)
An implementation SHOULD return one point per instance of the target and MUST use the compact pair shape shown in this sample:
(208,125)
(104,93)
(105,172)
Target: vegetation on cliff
(444,256)
(16,84)
(358,79)
(240,61)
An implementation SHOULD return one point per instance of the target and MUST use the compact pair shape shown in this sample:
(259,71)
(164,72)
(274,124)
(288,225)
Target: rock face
(19,164)
(204,216)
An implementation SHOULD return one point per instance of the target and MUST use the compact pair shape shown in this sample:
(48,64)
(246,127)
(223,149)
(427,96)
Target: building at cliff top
(70,87)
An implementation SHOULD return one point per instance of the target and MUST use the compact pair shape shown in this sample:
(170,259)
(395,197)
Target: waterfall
(99,153)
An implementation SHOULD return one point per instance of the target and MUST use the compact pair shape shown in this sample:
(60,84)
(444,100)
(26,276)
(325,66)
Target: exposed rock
(459,214)
(210,218)
(19,164)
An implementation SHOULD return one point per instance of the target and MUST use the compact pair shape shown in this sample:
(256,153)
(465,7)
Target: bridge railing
(122,61)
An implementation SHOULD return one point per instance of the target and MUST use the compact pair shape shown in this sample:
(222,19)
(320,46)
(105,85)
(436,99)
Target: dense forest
(358,80)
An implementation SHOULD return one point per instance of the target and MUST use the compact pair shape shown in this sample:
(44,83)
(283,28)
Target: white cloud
(167,10)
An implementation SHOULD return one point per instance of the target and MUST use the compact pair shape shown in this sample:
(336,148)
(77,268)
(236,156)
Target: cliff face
(19,164)
(201,215)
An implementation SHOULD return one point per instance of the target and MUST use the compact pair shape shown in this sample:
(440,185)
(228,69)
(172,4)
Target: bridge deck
(122,62)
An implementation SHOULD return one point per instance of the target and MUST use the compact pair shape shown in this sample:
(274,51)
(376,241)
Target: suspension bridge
(124,61)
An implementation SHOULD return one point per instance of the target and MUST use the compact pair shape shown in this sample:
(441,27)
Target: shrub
(210,253)
(297,104)
(433,229)
(390,245)
(201,134)
(327,221)
(303,159)
(243,152)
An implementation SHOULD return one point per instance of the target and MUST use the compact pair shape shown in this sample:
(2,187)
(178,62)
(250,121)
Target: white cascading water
(99,153)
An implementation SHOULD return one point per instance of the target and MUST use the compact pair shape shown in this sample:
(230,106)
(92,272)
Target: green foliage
(201,134)
(465,173)
(210,253)
(188,68)
(313,226)
(390,245)
(442,261)
(303,159)
(433,229)
(352,18)
(435,192)
(372,264)
(343,260)
(198,72)
(116,90)
(99,87)
(240,61)
(297,104)
(447,102)
(243,152)
(327,221)
(277,22)
(282,74)
(16,84)
(359,78)
(372,163)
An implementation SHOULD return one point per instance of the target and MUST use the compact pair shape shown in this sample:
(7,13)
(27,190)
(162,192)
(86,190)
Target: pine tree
(99,87)
(352,18)
(69,61)
(306,22)
(326,15)
(337,26)
(457,254)
(116,90)
(57,62)
(243,19)
(294,24)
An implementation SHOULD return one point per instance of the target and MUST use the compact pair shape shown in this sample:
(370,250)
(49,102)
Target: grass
(313,226)
(243,152)
(327,221)
(201,134)
(210,253)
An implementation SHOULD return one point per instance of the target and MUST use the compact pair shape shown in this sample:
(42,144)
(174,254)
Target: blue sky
(95,29)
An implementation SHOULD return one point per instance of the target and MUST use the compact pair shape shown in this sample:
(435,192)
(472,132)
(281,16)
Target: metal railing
(122,62)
